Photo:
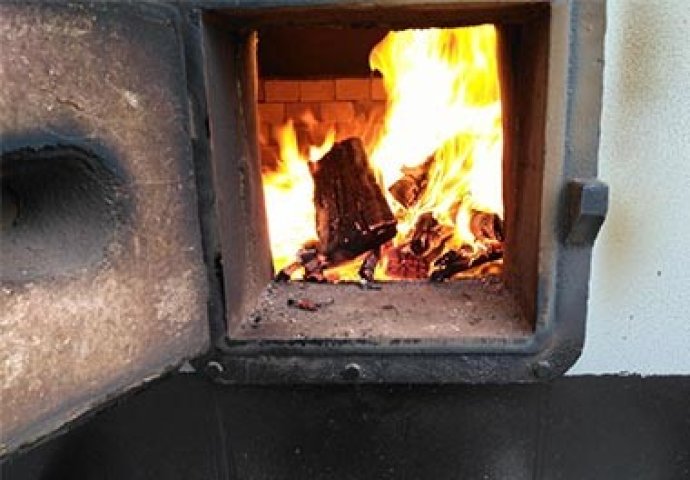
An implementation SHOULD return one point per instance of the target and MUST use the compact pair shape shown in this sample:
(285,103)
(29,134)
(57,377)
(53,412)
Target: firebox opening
(398,169)
(389,174)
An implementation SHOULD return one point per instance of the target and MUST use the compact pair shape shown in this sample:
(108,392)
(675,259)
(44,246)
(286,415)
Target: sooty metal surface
(468,308)
(103,285)
(182,427)
(66,210)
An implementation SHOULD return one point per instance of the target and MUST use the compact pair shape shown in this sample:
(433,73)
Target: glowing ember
(436,153)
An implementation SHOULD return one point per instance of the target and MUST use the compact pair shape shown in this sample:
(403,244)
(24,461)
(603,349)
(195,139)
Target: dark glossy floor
(184,427)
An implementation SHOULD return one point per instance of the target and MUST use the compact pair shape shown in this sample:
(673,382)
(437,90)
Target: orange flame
(443,109)
(288,193)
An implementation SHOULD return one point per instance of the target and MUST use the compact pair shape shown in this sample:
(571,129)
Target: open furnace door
(103,280)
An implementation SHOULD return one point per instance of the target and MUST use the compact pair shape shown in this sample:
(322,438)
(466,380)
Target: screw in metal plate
(351,372)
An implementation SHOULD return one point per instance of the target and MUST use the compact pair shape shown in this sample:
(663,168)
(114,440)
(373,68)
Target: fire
(442,118)
(288,192)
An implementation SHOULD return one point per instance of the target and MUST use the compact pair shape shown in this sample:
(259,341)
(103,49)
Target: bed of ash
(467,308)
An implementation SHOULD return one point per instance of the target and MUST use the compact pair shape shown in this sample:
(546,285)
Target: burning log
(487,229)
(403,263)
(413,258)
(286,273)
(486,226)
(311,260)
(406,191)
(352,215)
(429,236)
(456,261)
(313,269)
(366,271)
(411,185)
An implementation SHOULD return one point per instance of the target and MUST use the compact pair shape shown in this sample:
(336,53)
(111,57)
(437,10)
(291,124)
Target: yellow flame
(288,193)
(443,103)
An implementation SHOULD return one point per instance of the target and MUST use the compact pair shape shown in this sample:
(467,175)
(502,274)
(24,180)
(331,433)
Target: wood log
(408,188)
(307,258)
(486,226)
(286,273)
(352,215)
(456,261)
(406,266)
(314,267)
(406,191)
(368,267)
(429,237)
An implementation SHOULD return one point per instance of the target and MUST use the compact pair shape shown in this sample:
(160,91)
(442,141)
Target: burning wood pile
(422,199)
(353,220)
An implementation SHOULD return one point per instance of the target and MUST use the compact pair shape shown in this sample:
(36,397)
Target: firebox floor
(469,308)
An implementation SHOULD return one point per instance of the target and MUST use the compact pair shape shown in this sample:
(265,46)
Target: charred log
(429,236)
(403,263)
(456,261)
(313,269)
(486,226)
(352,215)
(411,185)
(406,191)
(311,260)
(412,259)
(366,271)
(286,273)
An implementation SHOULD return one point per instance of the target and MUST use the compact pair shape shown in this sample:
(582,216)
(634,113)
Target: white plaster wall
(639,307)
